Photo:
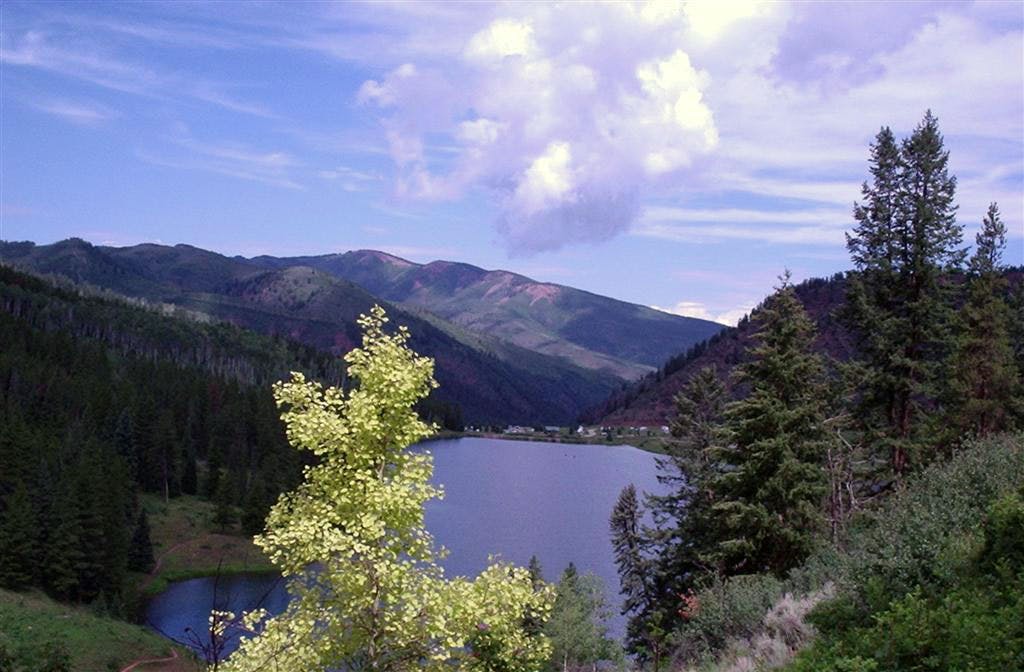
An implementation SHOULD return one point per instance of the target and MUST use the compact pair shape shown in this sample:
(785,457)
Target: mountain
(493,382)
(648,401)
(591,331)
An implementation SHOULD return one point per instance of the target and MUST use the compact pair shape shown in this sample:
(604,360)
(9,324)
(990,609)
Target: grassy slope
(187,544)
(30,621)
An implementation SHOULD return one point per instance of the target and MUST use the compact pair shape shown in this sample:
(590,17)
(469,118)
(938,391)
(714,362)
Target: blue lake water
(508,498)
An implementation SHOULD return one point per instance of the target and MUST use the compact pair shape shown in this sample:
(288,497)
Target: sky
(678,155)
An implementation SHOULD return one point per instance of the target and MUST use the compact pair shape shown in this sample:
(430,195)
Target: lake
(509,498)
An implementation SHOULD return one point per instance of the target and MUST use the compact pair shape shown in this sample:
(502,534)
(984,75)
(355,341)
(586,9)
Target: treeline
(759,482)
(96,408)
(725,350)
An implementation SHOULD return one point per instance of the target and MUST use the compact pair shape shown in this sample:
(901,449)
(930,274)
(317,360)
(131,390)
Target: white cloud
(565,116)
(501,39)
(700,311)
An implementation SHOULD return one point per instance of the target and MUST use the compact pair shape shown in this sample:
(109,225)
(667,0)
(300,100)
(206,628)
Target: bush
(730,609)
(974,625)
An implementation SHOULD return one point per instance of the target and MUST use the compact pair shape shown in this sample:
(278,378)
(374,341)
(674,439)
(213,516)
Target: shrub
(730,609)
(974,624)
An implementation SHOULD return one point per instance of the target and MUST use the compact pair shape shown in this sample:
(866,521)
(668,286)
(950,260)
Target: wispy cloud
(96,66)
(351,179)
(80,113)
(232,159)
(819,226)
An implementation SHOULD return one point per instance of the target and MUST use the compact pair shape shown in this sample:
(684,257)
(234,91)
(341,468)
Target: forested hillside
(649,401)
(490,381)
(101,400)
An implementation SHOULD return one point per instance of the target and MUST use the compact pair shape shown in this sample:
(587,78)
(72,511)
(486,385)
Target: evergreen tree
(577,626)
(90,490)
(124,443)
(255,507)
(766,512)
(645,631)
(536,572)
(190,475)
(224,508)
(165,458)
(682,516)
(905,238)
(985,377)
(19,548)
(63,553)
(140,553)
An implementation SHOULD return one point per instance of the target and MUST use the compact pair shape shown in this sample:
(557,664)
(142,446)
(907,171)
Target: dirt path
(162,662)
(159,563)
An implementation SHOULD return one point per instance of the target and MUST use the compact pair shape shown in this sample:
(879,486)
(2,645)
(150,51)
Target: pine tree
(681,537)
(986,385)
(63,553)
(19,548)
(645,633)
(255,507)
(124,443)
(905,239)
(140,552)
(766,512)
(224,507)
(577,626)
(536,572)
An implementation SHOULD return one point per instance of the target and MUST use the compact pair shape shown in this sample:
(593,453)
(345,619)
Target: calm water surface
(509,498)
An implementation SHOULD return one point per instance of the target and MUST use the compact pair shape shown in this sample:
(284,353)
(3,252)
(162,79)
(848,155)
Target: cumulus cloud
(564,116)
(573,116)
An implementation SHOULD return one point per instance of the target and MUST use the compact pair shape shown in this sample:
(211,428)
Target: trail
(173,658)
(159,563)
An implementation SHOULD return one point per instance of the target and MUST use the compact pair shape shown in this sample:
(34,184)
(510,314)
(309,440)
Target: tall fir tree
(905,238)
(645,632)
(19,545)
(986,386)
(766,513)
(681,536)
(140,552)
(577,626)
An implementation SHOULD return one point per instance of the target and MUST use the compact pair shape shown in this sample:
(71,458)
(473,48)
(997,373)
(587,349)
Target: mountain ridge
(591,330)
(493,383)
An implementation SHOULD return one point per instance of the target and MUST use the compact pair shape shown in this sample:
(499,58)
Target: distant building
(518,429)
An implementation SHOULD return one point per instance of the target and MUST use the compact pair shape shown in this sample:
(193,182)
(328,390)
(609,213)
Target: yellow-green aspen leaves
(367,591)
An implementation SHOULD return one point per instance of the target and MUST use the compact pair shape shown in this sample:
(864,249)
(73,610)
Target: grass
(31,621)
(188,544)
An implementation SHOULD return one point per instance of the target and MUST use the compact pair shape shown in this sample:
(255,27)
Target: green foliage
(906,237)
(638,582)
(985,388)
(83,427)
(577,627)
(140,555)
(367,591)
(973,624)
(725,610)
(766,512)
(19,551)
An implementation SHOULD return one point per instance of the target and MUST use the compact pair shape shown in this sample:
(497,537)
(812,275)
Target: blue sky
(673,154)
